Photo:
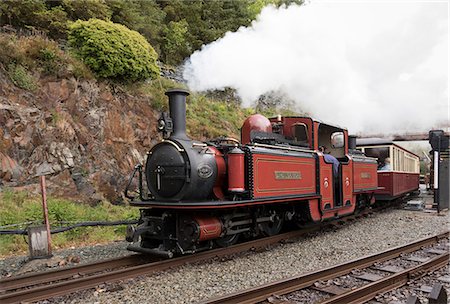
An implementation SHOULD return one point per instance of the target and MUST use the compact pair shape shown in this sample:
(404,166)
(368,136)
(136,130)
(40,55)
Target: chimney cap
(177,91)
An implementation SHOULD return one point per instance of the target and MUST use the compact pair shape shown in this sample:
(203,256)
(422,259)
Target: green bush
(21,77)
(113,51)
(40,55)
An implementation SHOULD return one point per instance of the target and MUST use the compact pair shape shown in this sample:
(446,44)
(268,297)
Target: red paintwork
(266,167)
(221,173)
(210,228)
(347,182)
(314,210)
(277,176)
(346,142)
(236,170)
(326,183)
(256,122)
(316,135)
(395,184)
(327,190)
(364,177)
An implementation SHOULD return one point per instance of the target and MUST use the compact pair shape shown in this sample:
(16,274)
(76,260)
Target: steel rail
(367,292)
(261,293)
(27,280)
(65,287)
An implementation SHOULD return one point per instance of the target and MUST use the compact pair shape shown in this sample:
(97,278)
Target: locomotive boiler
(197,195)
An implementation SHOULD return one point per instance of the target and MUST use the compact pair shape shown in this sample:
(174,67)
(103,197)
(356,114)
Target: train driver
(330,159)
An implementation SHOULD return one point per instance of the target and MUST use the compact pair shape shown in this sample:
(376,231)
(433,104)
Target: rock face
(85,136)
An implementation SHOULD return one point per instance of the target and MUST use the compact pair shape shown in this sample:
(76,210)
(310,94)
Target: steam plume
(371,66)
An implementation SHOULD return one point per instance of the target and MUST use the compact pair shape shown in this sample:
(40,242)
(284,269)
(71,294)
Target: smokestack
(177,107)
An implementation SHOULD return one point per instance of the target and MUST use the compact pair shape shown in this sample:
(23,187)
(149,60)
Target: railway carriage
(206,194)
(401,177)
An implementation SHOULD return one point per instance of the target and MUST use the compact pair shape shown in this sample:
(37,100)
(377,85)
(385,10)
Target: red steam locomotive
(206,194)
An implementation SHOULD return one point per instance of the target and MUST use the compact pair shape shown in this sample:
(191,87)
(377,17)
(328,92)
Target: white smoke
(370,66)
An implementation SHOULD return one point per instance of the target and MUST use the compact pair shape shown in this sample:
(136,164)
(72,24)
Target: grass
(21,207)
(209,118)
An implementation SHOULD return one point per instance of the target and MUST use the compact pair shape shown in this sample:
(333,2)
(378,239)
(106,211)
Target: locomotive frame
(206,194)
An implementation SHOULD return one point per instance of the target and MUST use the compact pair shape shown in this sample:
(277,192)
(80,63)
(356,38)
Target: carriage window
(381,153)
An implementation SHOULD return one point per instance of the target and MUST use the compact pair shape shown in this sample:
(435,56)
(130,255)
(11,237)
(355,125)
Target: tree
(206,22)
(145,17)
(87,9)
(113,51)
(176,46)
(20,13)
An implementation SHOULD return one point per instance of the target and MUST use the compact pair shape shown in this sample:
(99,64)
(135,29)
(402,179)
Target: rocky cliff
(86,136)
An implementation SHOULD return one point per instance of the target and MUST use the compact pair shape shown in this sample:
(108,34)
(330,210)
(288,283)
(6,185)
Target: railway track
(394,278)
(44,285)
(40,286)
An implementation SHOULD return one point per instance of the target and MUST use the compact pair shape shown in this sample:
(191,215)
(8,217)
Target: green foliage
(155,90)
(209,115)
(145,17)
(21,207)
(206,22)
(87,9)
(176,46)
(54,21)
(21,77)
(208,118)
(174,28)
(21,13)
(40,55)
(113,51)
(256,6)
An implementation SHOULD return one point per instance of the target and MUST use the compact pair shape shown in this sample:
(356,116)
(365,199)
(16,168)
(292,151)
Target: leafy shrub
(38,54)
(87,9)
(113,51)
(21,77)
(53,21)
(176,45)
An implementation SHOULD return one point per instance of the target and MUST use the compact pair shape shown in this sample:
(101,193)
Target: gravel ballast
(197,282)
(63,258)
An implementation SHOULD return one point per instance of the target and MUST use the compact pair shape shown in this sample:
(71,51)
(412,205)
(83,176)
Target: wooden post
(45,209)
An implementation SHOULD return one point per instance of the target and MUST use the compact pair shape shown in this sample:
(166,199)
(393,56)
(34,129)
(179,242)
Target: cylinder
(177,107)
(209,228)
(236,171)
(351,142)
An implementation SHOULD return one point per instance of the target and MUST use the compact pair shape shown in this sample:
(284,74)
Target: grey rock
(44,169)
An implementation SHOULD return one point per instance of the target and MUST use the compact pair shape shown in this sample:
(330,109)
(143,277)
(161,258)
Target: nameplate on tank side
(288,175)
(365,175)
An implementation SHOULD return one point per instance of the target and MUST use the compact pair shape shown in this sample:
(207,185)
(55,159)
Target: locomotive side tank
(207,194)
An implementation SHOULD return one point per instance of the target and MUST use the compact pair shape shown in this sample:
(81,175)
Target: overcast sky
(378,66)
